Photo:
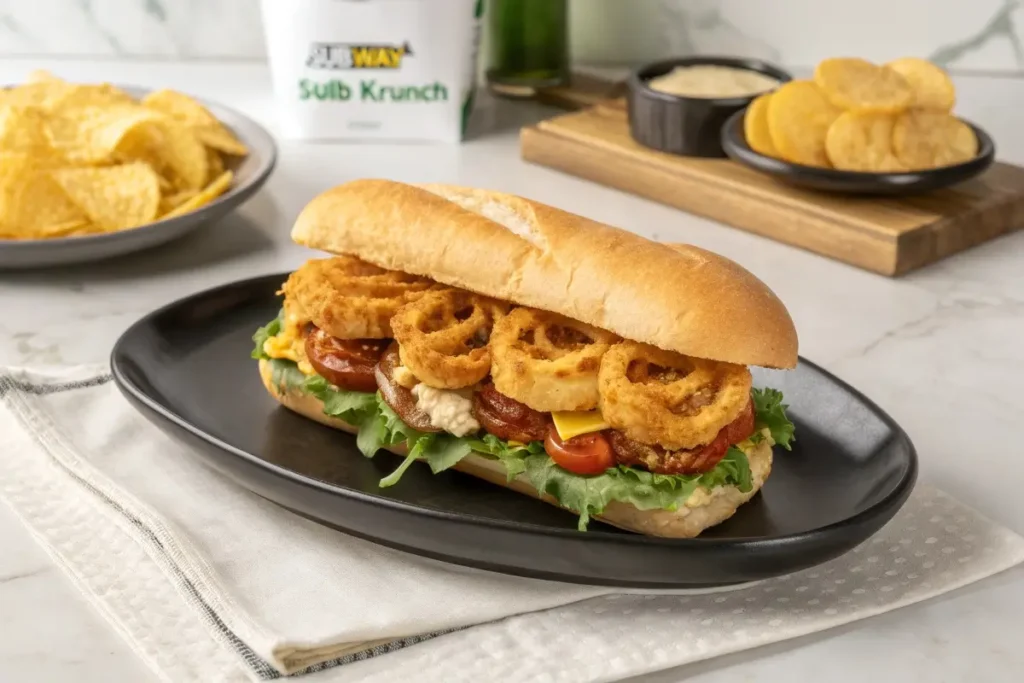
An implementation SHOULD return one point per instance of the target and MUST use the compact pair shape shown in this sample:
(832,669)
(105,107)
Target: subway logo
(357,56)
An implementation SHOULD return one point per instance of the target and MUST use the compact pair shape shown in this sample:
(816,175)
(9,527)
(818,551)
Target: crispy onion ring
(547,361)
(443,337)
(692,461)
(667,399)
(351,299)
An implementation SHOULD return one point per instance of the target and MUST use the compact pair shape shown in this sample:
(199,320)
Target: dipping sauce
(710,81)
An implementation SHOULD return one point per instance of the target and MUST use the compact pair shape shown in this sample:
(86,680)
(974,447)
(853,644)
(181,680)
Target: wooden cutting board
(887,236)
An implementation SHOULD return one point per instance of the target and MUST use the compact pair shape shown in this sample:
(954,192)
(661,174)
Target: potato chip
(90,135)
(187,111)
(30,200)
(862,141)
(925,138)
(755,126)
(852,83)
(799,117)
(222,140)
(169,202)
(179,152)
(139,144)
(39,94)
(80,96)
(931,86)
(214,163)
(113,197)
(66,229)
(78,159)
(42,76)
(23,129)
(209,193)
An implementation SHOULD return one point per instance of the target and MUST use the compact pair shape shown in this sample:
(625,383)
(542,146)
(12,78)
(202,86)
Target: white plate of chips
(90,171)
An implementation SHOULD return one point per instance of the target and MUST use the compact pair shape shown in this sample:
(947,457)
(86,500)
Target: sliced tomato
(583,454)
(507,418)
(345,363)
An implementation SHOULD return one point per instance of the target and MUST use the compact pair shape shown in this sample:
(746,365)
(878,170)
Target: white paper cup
(373,69)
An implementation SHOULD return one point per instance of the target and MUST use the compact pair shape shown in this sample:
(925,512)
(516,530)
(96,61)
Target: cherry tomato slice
(583,454)
(345,363)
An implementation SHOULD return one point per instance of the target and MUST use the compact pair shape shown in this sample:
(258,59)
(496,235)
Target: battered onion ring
(443,337)
(668,399)
(547,361)
(351,299)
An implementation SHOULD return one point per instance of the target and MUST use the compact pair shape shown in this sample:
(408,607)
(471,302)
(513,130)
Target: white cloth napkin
(208,582)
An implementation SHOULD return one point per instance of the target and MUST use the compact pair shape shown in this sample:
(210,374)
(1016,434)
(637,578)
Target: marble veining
(1001,27)
(152,28)
(980,35)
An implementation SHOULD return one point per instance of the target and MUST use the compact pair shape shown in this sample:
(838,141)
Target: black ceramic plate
(734,142)
(187,368)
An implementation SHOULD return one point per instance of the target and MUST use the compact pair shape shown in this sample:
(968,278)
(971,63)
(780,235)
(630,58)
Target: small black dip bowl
(734,141)
(678,124)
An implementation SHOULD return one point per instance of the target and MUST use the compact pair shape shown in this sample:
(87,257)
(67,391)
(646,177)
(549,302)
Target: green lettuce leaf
(585,495)
(285,375)
(440,451)
(382,428)
(370,437)
(415,453)
(445,451)
(513,458)
(770,412)
(734,469)
(588,496)
(354,407)
(269,330)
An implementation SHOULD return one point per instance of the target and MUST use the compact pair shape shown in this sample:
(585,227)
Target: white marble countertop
(940,350)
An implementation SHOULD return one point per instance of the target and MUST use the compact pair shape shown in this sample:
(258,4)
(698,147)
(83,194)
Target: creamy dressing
(448,410)
(709,81)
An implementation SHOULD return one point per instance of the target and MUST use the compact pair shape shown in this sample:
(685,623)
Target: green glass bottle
(529,45)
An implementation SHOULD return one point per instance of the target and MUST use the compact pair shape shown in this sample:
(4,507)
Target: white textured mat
(209,582)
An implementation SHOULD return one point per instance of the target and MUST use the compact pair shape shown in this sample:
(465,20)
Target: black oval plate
(187,368)
(734,142)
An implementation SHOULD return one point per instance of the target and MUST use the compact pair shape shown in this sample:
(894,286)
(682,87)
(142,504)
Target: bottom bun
(703,509)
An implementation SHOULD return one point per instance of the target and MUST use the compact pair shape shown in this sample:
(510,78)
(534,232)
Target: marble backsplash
(984,35)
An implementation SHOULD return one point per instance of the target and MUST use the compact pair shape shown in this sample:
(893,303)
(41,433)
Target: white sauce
(448,410)
(712,81)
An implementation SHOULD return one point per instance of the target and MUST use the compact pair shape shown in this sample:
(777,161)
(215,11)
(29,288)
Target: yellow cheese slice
(573,423)
(288,344)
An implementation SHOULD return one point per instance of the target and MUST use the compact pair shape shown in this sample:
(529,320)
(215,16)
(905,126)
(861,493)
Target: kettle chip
(799,116)
(862,141)
(859,116)
(755,126)
(931,86)
(852,83)
(924,138)
(113,197)
(79,159)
